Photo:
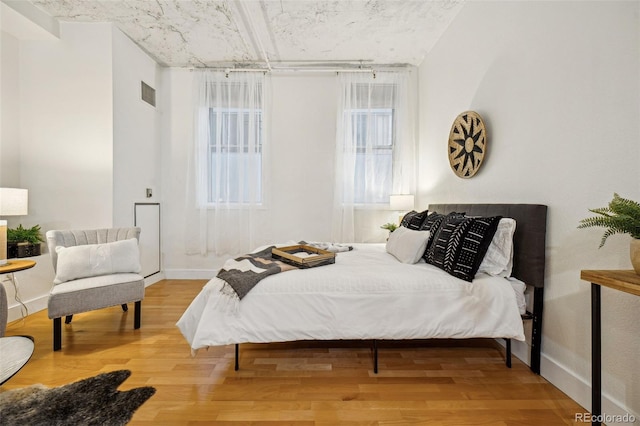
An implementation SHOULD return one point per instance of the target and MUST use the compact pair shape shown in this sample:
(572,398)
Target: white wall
(303,133)
(136,142)
(300,162)
(176,130)
(10,124)
(557,84)
(66,127)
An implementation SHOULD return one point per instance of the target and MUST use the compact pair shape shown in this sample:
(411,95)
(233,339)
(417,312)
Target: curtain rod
(276,69)
(319,65)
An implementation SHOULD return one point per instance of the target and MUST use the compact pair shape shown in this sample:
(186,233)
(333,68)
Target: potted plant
(24,242)
(622,216)
(389,227)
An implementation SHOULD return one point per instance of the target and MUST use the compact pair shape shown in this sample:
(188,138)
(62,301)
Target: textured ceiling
(196,33)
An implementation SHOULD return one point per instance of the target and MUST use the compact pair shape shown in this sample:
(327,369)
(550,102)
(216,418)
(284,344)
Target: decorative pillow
(413,219)
(407,245)
(459,244)
(498,260)
(428,222)
(441,230)
(91,260)
(433,221)
(407,217)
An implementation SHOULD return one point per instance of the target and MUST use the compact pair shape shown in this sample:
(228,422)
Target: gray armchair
(98,271)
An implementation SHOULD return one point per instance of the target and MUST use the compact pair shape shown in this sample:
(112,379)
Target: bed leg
(508,356)
(237,366)
(375,356)
(536,333)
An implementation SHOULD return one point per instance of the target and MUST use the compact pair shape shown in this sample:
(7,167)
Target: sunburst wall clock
(467,144)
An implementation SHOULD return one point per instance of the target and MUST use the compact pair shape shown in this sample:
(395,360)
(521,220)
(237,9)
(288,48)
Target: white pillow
(498,260)
(407,245)
(97,259)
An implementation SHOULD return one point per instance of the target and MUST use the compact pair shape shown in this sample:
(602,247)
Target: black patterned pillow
(434,219)
(413,219)
(460,243)
(432,223)
(441,229)
(427,224)
(407,217)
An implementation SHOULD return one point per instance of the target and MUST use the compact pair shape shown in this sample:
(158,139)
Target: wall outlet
(149,193)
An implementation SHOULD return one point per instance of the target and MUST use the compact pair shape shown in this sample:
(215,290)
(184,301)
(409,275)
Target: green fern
(622,216)
(21,234)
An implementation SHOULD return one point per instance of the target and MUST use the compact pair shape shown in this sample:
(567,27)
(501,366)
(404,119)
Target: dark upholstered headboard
(529,240)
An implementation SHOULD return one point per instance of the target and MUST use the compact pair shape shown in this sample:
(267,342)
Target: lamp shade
(14,202)
(401,202)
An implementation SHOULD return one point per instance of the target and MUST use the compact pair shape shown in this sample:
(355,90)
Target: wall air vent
(148,94)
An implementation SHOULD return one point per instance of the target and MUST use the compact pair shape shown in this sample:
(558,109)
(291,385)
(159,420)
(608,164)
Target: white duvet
(366,294)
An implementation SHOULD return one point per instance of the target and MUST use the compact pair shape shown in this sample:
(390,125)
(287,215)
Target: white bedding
(366,294)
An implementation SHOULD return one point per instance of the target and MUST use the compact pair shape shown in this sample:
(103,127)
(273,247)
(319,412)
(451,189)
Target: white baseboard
(152,279)
(579,389)
(33,305)
(190,274)
(520,350)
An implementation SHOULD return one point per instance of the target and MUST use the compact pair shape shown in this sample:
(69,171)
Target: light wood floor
(302,383)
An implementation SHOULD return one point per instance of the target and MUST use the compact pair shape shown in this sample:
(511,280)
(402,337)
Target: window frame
(359,198)
(212,144)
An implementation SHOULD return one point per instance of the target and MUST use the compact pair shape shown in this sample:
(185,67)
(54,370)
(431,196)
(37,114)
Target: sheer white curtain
(375,144)
(226,178)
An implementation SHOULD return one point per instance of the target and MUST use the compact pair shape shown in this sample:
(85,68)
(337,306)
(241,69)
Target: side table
(15,266)
(626,281)
(15,352)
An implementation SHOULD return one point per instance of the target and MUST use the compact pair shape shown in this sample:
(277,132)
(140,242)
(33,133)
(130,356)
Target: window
(367,139)
(375,144)
(235,155)
(230,135)
(230,146)
(373,132)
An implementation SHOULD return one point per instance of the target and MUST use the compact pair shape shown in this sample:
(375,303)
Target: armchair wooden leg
(125,307)
(67,319)
(137,314)
(57,334)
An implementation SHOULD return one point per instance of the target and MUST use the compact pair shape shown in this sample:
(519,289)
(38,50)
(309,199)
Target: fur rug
(92,401)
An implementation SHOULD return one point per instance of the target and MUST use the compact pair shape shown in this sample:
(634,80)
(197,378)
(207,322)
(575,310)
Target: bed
(367,294)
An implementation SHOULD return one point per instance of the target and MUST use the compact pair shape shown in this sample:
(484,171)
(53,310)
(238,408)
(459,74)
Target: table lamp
(13,202)
(402,203)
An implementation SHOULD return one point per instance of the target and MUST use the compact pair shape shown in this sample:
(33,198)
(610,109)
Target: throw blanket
(244,272)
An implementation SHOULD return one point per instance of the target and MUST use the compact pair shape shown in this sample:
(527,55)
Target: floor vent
(148,94)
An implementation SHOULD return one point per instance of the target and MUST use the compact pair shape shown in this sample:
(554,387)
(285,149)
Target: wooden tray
(312,256)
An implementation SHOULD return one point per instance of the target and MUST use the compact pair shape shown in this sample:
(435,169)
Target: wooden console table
(10,268)
(16,265)
(626,281)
